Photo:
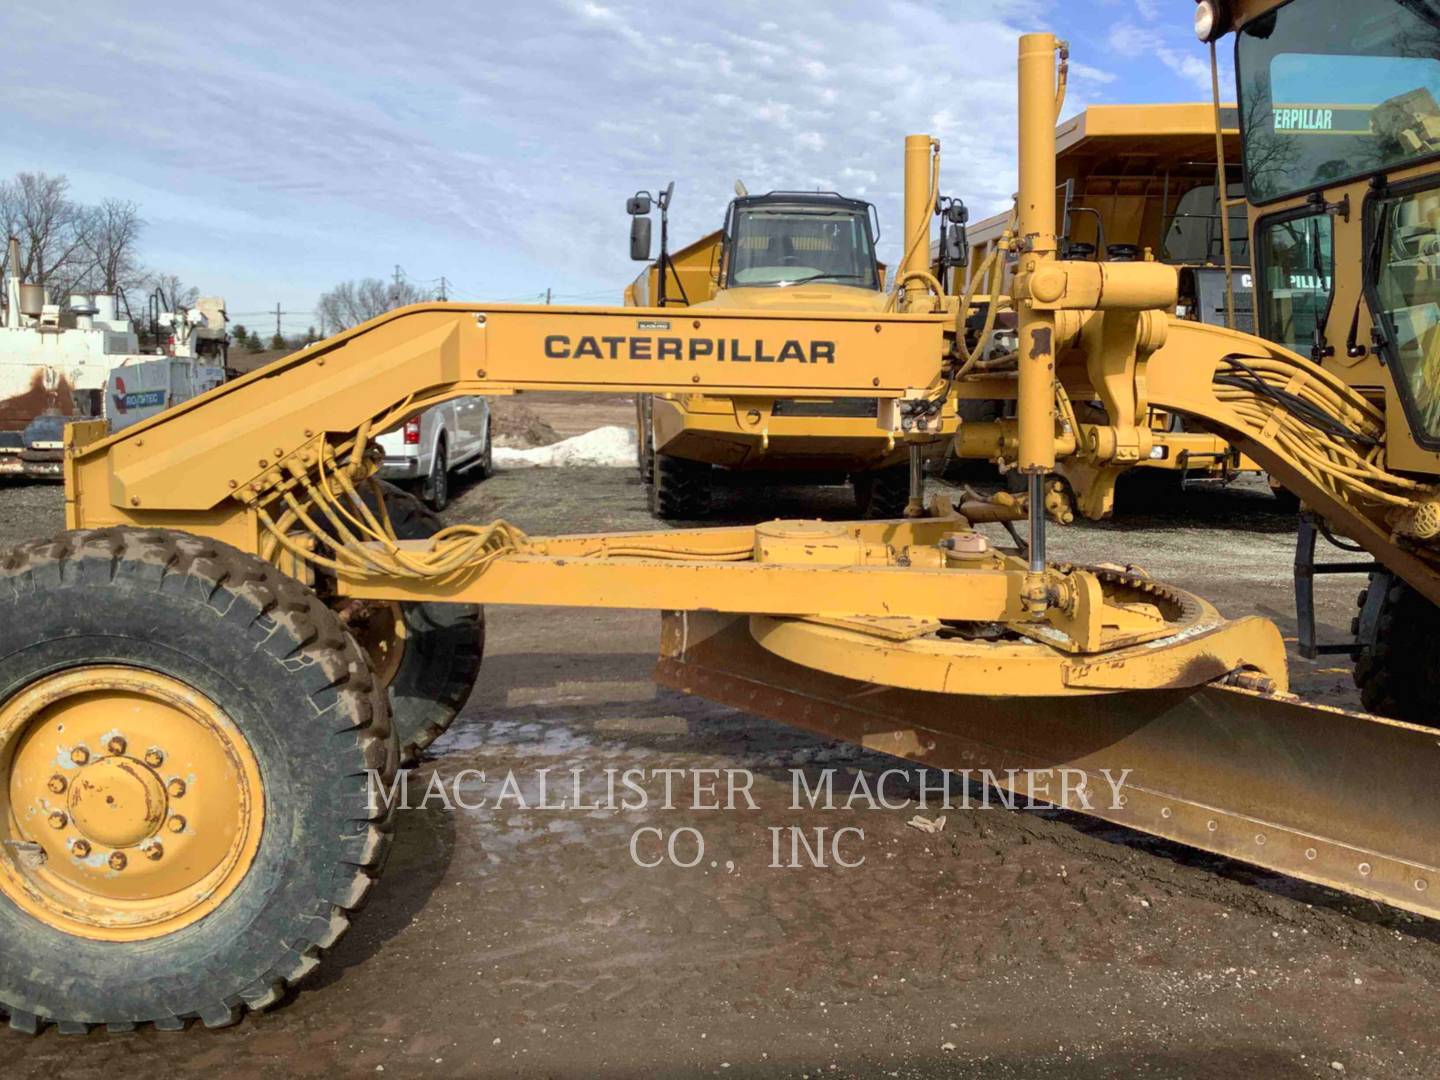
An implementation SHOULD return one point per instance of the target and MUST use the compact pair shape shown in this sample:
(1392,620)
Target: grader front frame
(188,731)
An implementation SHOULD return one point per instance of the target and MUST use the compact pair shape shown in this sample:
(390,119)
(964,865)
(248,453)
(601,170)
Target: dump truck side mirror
(957,245)
(640,238)
(639,203)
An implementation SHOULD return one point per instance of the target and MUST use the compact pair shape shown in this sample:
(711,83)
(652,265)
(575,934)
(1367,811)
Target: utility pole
(547,295)
(442,297)
(395,289)
(277,318)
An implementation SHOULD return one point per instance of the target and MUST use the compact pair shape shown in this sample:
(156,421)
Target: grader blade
(1338,798)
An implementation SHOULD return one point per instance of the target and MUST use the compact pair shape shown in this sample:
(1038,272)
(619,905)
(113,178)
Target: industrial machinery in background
(200,688)
(1134,182)
(80,360)
(778,252)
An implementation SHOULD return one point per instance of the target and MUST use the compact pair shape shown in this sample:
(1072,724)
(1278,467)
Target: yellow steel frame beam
(594,571)
(194,457)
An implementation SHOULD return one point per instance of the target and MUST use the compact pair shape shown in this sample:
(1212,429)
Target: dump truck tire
(1397,658)
(428,656)
(188,738)
(680,490)
(882,493)
(644,440)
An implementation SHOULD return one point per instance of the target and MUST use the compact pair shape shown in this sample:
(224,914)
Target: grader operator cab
(781,251)
(203,681)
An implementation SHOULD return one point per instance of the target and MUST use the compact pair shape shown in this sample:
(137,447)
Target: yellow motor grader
(781,251)
(198,679)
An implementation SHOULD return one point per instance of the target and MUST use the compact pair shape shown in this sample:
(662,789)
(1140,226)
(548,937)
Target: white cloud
(494,143)
(1130,40)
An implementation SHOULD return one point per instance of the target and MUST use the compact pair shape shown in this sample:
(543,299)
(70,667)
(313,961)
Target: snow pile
(612,446)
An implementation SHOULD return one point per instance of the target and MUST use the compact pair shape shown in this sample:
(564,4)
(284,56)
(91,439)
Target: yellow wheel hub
(378,627)
(130,805)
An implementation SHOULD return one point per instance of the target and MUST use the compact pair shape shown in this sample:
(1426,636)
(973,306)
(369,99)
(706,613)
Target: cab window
(1294,276)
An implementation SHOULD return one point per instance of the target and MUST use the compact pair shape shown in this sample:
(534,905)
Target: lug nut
(117,860)
(80,849)
(176,824)
(155,852)
(154,758)
(57,784)
(116,745)
(58,820)
(176,788)
(80,755)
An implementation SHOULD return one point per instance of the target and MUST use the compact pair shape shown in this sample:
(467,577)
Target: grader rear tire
(427,655)
(187,744)
(1397,660)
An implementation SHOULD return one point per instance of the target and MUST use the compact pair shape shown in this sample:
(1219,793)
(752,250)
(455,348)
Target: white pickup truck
(422,452)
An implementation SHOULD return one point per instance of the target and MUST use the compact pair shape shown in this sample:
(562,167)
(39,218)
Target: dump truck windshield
(778,244)
(1331,90)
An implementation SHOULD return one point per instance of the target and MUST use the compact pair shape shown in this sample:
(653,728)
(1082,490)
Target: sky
(276,148)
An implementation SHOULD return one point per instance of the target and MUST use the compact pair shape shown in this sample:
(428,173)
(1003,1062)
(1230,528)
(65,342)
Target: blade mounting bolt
(80,849)
(80,755)
(117,860)
(155,852)
(176,824)
(58,820)
(176,788)
(154,758)
(116,745)
(57,784)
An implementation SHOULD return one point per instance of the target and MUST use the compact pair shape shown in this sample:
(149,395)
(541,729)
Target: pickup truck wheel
(437,484)
(188,740)
(485,463)
(426,655)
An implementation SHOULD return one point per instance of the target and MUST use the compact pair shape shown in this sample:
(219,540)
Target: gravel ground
(1028,944)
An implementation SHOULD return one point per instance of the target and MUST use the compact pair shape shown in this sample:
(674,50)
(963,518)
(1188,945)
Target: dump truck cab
(781,251)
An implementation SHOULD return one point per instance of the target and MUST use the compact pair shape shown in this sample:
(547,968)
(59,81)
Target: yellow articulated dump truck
(1137,182)
(777,253)
(207,676)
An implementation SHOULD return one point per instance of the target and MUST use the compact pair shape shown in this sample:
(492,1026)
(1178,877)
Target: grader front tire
(187,740)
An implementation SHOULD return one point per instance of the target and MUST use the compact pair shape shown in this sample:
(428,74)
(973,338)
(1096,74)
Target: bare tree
(174,292)
(109,240)
(37,208)
(353,302)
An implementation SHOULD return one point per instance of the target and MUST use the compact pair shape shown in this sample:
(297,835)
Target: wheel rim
(131,806)
(378,627)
